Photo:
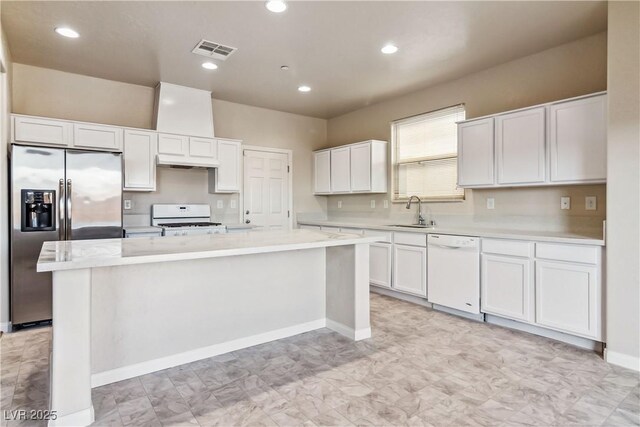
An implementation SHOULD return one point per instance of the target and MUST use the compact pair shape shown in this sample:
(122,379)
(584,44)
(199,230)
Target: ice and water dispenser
(38,210)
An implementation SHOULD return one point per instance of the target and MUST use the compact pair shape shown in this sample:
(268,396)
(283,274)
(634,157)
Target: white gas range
(185,220)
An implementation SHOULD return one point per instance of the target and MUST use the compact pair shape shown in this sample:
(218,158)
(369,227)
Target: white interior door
(266,189)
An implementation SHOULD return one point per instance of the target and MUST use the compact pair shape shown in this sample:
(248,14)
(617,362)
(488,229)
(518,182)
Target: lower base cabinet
(380,264)
(567,297)
(410,269)
(507,287)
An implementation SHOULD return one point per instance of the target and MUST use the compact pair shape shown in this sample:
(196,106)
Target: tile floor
(421,367)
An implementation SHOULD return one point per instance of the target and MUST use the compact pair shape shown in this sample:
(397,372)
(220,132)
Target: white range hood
(182,110)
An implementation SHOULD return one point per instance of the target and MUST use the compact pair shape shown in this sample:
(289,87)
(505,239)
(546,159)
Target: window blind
(425,155)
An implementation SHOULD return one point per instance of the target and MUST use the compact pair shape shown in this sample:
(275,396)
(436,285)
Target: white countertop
(77,254)
(539,236)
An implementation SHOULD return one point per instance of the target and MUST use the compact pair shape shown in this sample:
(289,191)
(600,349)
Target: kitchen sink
(411,225)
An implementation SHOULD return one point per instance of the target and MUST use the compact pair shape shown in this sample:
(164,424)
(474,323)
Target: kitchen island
(127,307)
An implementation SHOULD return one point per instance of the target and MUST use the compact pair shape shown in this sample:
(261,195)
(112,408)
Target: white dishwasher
(453,273)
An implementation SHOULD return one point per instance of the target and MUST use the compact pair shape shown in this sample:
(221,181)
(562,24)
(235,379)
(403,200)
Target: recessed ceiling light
(389,49)
(209,65)
(276,6)
(67,32)
(304,88)
(284,67)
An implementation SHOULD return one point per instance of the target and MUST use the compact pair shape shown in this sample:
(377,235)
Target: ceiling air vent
(213,50)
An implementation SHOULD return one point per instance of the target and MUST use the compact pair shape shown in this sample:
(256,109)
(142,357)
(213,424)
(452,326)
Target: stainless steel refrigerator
(57,194)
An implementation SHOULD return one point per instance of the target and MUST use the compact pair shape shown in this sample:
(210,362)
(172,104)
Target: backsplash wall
(520,208)
(181,186)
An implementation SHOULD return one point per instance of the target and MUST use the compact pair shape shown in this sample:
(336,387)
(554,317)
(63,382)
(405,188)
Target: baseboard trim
(623,360)
(77,419)
(131,371)
(581,342)
(356,335)
(5,327)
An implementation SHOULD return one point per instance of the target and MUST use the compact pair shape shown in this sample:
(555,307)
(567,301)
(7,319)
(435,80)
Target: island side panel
(348,290)
(153,316)
(71,349)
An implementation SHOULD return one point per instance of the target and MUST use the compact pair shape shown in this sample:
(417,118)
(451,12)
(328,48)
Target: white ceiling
(332,46)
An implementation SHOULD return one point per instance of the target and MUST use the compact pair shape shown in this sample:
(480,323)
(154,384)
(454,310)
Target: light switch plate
(127,204)
(590,203)
(565,202)
(233,204)
(373,204)
(491,203)
(220,204)
(339,204)
(386,204)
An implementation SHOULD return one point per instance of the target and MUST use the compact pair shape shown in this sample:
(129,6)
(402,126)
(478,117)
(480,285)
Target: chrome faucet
(421,220)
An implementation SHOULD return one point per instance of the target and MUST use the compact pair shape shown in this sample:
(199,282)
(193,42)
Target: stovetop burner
(189,224)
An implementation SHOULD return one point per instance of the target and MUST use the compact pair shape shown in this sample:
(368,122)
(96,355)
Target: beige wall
(623,186)
(46,92)
(5,108)
(568,70)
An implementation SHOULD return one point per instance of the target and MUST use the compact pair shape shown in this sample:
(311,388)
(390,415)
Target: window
(425,155)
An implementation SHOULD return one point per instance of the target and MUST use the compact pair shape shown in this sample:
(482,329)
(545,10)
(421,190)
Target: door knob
(247,221)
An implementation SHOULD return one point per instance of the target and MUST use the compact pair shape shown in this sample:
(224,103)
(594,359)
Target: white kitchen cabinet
(173,145)
(322,171)
(507,287)
(578,140)
(475,153)
(410,269)
(353,168)
(203,147)
(97,137)
(380,256)
(369,167)
(520,147)
(341,170)
(228,174)
(139,160)
(35,130)
(360,167)
(568,298)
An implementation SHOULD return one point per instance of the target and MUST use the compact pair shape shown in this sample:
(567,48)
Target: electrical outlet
(590,203)
(373,204)
(565,202)
(127,204)
(491,203)
(220,204)
(339,204)
(386,204)
(233,204)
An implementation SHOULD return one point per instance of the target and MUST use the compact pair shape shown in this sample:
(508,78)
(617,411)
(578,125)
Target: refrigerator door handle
(69,216)
(62,230)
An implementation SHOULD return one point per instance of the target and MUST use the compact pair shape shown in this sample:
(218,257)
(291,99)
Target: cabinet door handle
(247,212)
(248,221)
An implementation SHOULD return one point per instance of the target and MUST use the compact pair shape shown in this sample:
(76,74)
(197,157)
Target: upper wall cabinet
(558,143)
(173,145)
(353,168)
(97,137)
(35,130)
(579,140)
(139,160)
(520,147)
(341,170)
(227,178)
(322,172)
(475,153)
